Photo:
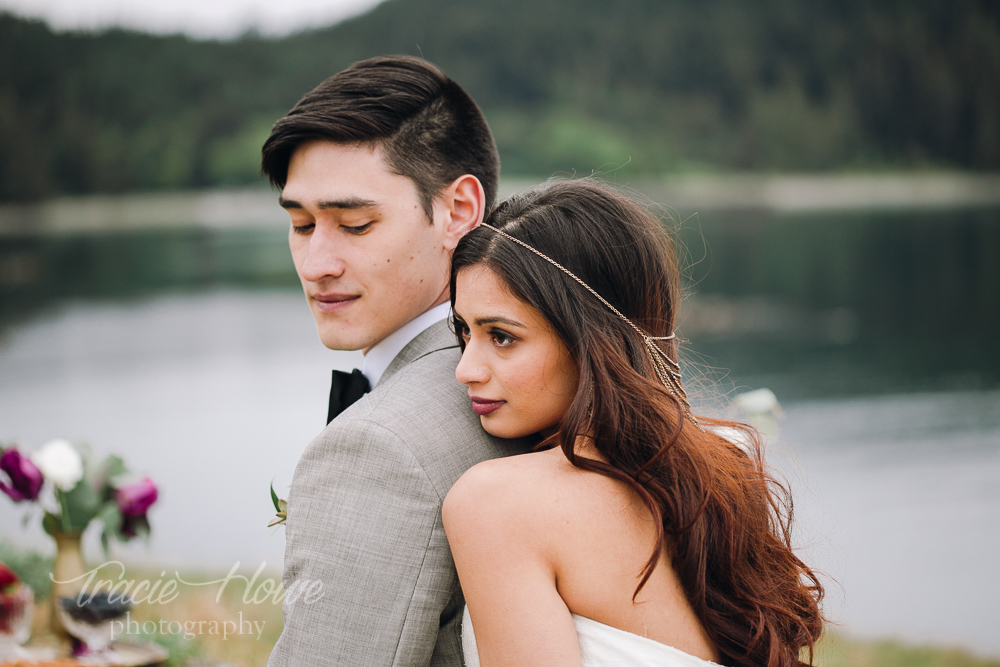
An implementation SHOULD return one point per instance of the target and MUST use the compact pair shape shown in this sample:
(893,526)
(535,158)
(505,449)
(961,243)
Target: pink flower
(25,477)
(134,500)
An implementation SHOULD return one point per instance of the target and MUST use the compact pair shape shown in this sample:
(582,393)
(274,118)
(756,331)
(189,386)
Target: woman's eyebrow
(497,319)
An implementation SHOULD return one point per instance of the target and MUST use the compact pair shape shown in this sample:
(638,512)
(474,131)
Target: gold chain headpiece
(667,370)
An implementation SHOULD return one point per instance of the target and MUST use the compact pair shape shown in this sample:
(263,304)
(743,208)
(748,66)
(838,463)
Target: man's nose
(324,256)
(470,369)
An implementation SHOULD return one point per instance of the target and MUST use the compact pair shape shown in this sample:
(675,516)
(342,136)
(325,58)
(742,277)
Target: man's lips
(484,406)
(332,303)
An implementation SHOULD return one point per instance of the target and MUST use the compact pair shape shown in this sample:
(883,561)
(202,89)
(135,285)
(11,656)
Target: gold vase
(67,575)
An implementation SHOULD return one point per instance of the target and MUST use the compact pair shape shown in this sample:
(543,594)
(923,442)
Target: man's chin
(342,345)
(344,341)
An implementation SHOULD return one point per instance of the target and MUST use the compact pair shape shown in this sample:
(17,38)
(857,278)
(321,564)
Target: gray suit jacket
(364,518)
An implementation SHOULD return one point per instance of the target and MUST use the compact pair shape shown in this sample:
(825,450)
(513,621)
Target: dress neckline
(631,636)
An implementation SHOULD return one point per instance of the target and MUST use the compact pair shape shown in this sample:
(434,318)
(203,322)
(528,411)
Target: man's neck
(379,356)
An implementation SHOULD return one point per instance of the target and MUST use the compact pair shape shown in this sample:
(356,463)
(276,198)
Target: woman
(633,533)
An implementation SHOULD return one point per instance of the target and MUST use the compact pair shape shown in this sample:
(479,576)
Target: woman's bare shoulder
(502,484)
(537,494)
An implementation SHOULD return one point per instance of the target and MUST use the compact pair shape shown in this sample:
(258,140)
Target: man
(382,169)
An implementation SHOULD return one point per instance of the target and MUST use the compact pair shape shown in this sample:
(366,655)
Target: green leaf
(105,543)
(51,524)
(111,517)
(87,457)
(111,469)
(82,503)
(274,498)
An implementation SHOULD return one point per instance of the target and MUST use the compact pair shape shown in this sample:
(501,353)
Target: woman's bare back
(596,535)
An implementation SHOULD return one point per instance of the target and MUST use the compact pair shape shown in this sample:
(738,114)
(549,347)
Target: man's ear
(464,202)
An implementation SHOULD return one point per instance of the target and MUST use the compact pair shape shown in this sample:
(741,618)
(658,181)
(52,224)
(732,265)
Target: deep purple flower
(25,477)
(134,500)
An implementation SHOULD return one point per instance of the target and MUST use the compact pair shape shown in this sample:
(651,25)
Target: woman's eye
(501,338)
(303,229)
(462,330)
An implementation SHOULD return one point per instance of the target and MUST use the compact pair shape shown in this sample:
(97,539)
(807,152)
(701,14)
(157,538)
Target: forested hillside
(567,85)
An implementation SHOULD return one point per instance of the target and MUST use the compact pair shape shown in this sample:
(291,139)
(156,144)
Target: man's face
(368,257)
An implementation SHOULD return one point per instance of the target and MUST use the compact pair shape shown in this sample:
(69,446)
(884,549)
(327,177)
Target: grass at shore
(212,646)
(836,649)
(219,618)
(231,622)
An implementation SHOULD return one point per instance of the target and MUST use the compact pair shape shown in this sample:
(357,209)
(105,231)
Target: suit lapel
(438,336)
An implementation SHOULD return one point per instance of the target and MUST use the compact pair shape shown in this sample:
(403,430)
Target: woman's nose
(470,369)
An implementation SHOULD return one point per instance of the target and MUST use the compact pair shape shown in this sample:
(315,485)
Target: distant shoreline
(256,207)
(817,192)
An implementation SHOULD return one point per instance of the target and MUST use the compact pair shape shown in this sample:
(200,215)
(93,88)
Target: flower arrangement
(82,490)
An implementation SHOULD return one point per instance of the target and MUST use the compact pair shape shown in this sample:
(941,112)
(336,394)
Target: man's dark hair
(428,128)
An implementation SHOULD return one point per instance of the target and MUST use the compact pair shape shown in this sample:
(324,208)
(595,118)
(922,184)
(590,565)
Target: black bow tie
(345,390)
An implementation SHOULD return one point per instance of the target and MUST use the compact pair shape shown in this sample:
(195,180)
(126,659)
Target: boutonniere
(280,507)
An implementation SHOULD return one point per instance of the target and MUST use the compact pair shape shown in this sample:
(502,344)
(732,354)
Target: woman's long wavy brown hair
(725,522)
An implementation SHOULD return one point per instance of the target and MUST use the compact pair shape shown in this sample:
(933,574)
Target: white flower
(760,401)
(60,463)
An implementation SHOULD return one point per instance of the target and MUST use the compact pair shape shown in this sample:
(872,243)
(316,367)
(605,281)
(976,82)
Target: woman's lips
(483,406)
(332,303)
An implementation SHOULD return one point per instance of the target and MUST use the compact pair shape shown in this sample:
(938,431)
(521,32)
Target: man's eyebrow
(350,203)
(497,319)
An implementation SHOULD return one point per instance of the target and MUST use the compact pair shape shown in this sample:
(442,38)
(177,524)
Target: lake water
(194,357)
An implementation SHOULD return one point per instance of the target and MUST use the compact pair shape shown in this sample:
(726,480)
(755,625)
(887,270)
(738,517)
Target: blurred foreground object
(16,606)
(90,619)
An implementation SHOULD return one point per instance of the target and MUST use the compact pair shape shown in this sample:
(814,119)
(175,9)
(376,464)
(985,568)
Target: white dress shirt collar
(378,358)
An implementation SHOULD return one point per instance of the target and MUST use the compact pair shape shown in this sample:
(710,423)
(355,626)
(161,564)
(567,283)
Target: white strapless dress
(603,646)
